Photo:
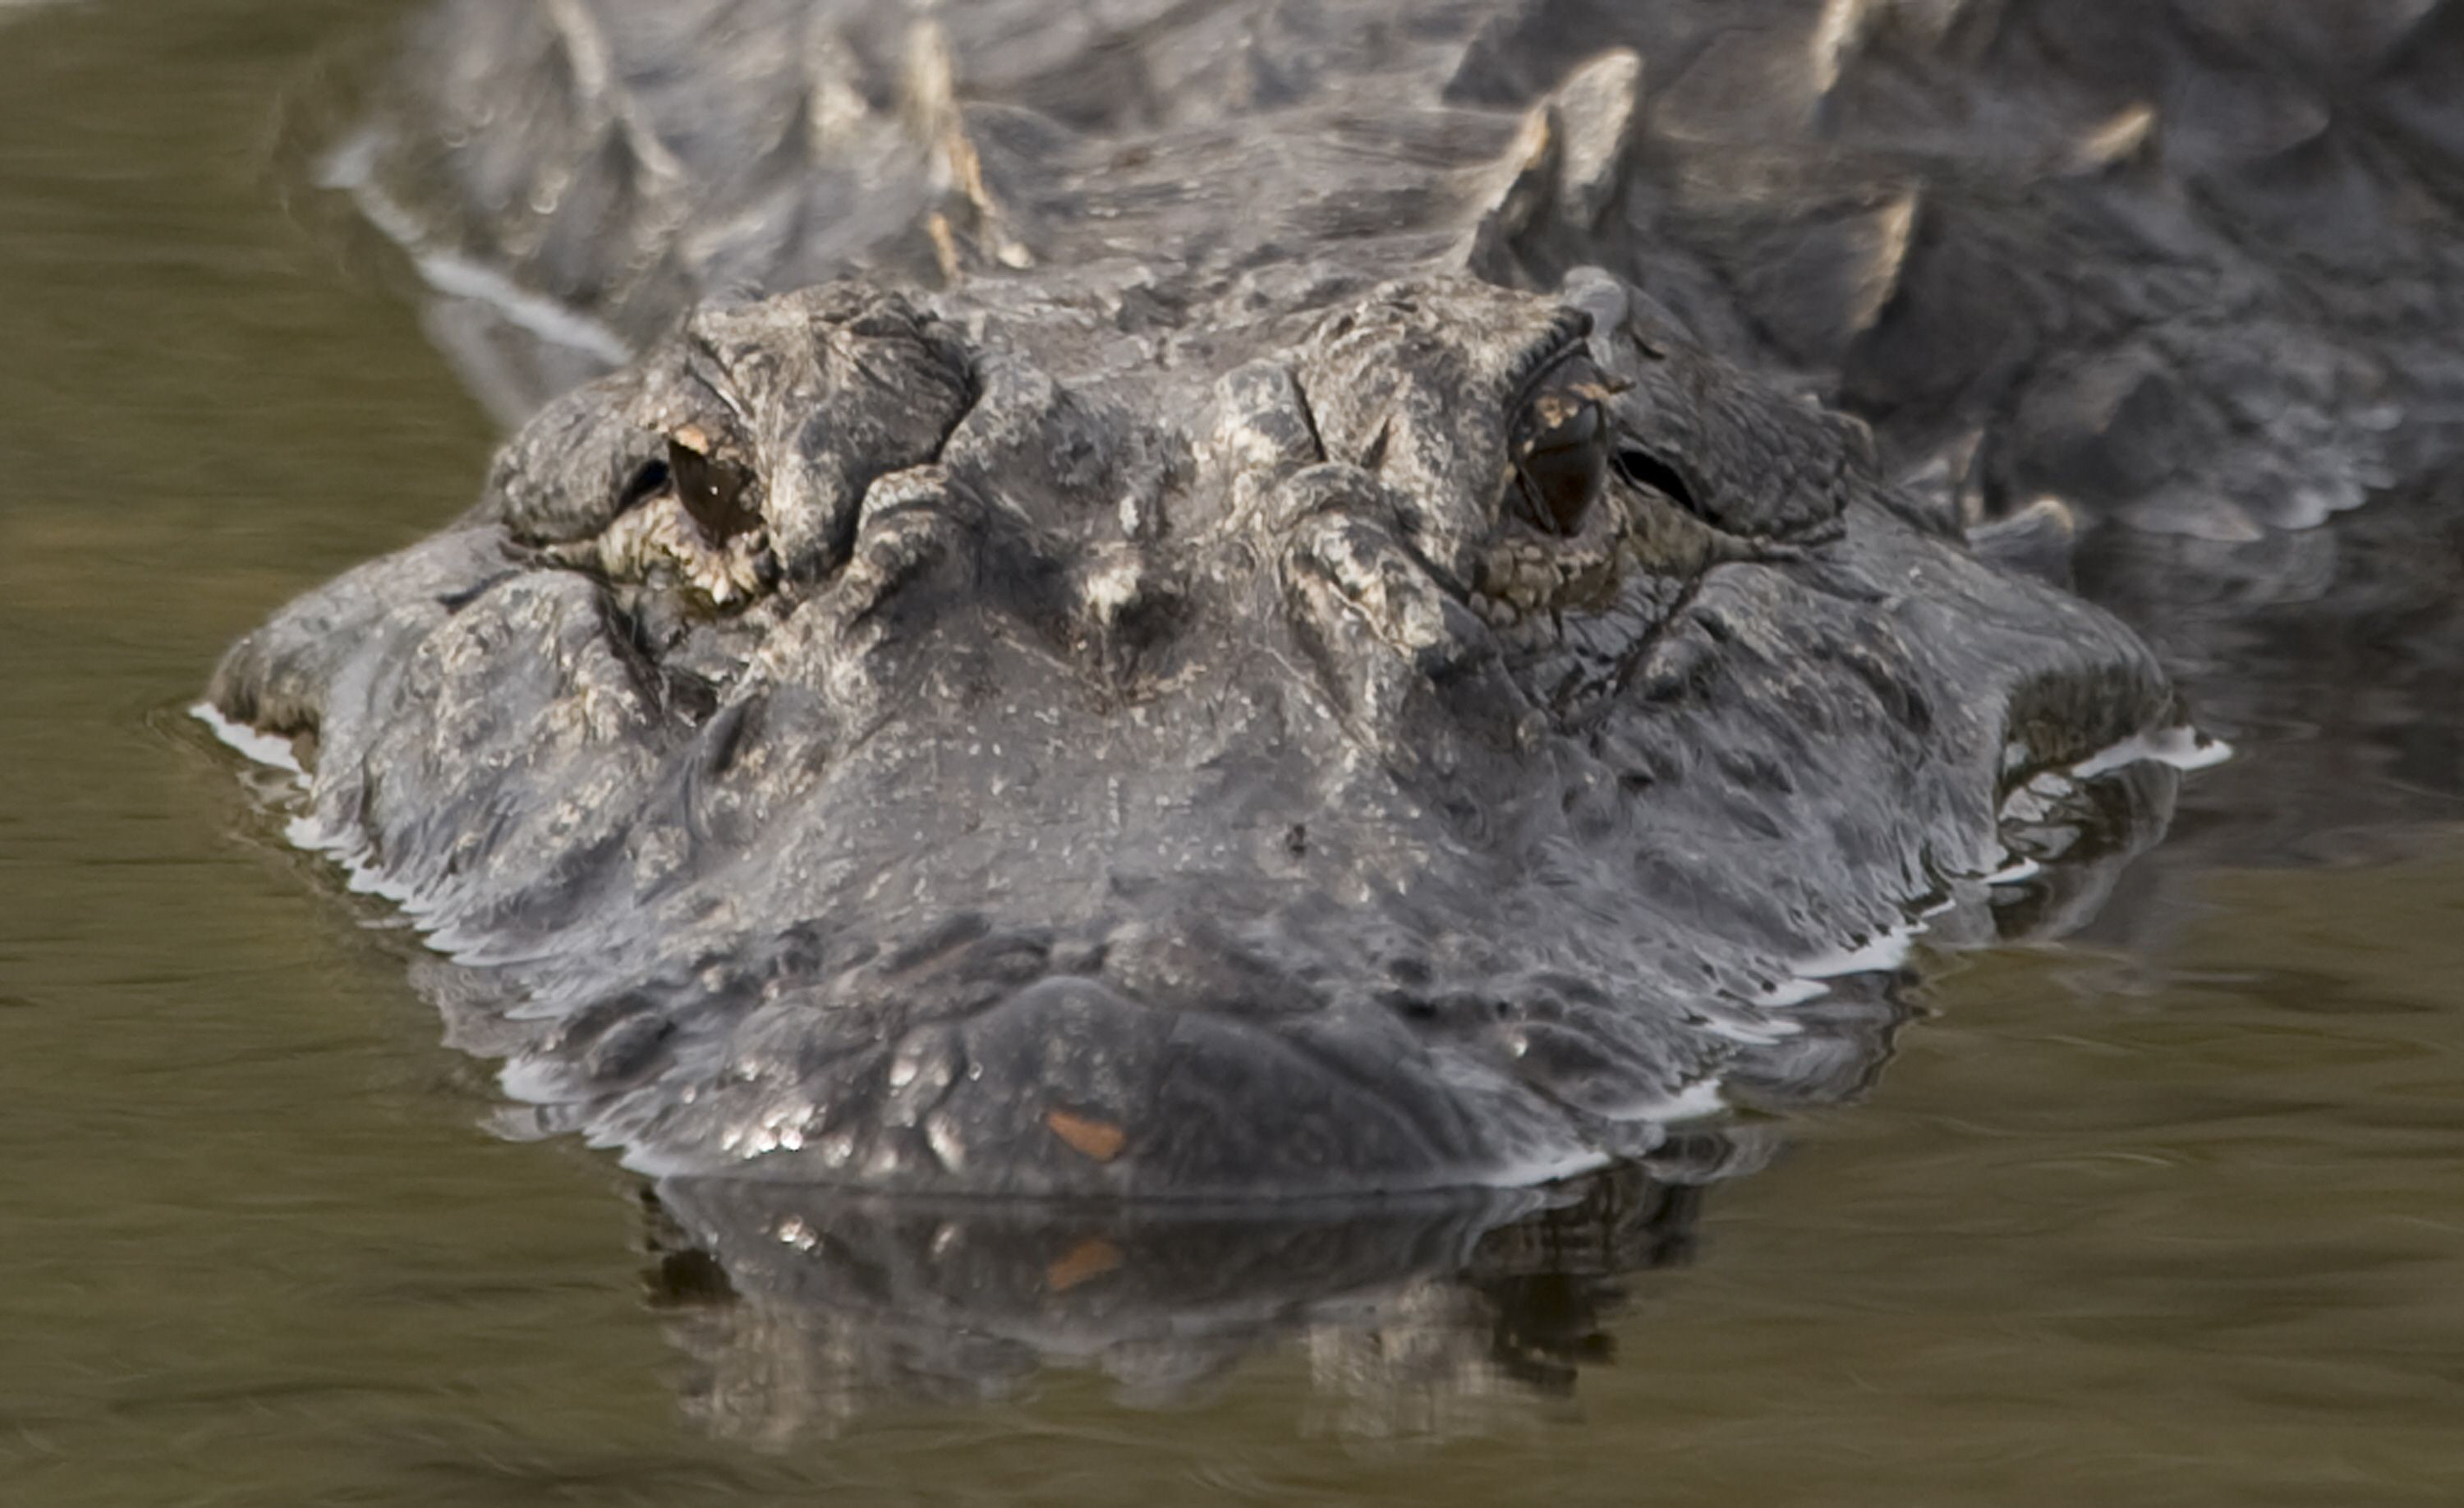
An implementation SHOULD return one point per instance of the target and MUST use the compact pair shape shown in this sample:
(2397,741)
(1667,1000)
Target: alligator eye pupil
(1643,468)
(1561,484)
(710,490)
(1563,466)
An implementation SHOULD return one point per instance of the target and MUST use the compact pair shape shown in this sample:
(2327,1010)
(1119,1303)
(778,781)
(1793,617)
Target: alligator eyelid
(721,393)
(1643,468)
(649,479)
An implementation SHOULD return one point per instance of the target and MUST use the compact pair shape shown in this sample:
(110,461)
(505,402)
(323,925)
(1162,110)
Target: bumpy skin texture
(2189,263)
(1234,661)
(2190,266)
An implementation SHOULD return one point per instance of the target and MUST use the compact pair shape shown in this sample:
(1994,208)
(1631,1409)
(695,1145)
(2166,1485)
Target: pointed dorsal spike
(1600,107)
(1840,30)
(832,106)
(1509,192)
(934,116)
(586,50)
(2132,134)
(607,108)
(928,83)
(1894,231)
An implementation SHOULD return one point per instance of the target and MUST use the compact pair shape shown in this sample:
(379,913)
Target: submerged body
(1265,642)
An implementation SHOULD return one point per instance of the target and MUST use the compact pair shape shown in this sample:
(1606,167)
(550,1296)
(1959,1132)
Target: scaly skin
(1290,627)
(1114,783)
(1280,622)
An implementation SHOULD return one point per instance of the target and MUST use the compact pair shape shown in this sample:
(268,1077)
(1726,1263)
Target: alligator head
(1366,735)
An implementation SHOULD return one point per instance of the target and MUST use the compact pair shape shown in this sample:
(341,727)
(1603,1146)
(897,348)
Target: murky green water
(2176,1222)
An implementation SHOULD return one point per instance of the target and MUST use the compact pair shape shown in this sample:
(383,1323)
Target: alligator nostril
(1643,468)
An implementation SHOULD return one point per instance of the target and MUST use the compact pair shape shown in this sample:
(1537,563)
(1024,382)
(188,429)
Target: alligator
(2188,268)
(1262,601)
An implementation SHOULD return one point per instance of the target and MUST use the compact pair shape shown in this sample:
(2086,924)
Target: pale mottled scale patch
(659,540)
(1526,574)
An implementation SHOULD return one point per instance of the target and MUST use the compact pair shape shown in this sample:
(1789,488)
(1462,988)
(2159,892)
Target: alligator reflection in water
(820,1305)
(805,1307)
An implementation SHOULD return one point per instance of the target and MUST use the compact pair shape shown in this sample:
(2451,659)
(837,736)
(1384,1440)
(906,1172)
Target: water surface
(2170,1214)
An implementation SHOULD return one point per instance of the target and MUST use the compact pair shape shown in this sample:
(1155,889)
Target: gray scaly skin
(2150,295)
(2193,263)
(1252,670)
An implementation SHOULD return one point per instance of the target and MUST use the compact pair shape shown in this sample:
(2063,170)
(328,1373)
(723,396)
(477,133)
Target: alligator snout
(1155,1057)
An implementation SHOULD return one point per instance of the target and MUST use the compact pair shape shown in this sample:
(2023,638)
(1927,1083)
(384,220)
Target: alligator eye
(1643,468)
(1561,461)
(712,490)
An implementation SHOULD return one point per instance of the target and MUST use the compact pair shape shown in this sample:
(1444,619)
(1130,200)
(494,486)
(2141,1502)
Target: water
(2170,1214)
